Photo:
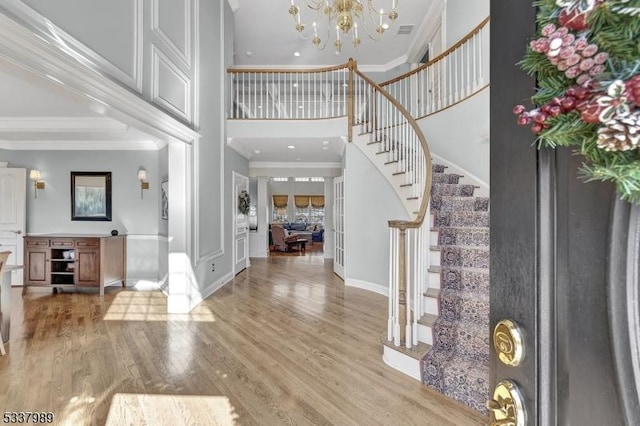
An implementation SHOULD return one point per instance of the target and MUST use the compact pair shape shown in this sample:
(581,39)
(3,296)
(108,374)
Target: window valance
(301,201)
(280,201)
(317,201)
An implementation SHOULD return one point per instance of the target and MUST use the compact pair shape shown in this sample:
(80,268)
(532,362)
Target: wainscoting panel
(172,22)
(171,88)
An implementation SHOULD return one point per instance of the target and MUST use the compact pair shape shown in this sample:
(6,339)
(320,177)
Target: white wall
(154,58)
(370,202)
(462,16)
(460,135)
(132,215)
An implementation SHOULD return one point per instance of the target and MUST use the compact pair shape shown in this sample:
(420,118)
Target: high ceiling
(267,31)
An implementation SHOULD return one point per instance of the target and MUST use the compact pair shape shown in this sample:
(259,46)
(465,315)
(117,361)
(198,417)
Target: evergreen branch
(566,130)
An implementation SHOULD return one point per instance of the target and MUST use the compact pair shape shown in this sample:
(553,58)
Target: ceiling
(43,114)
(267,31)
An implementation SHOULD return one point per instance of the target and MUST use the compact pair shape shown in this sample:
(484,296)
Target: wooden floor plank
(285,343)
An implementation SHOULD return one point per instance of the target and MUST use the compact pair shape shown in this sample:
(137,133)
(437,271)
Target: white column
(328,218)
(263,203)
(181,277)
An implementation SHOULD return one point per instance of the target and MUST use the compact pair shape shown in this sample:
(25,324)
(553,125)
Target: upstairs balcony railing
(451,77)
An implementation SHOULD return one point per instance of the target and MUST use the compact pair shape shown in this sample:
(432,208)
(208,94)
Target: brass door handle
(507,405)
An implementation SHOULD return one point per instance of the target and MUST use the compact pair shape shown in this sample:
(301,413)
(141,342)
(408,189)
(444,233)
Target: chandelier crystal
(342,17)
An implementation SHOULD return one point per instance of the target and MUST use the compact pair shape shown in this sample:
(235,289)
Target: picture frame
(91,196)
(164,200)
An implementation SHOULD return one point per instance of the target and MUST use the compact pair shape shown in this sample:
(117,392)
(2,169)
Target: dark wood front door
(564,260)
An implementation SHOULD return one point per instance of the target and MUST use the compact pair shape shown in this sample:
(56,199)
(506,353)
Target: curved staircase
(457,365)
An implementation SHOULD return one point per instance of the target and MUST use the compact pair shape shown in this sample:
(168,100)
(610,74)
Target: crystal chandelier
(343,17)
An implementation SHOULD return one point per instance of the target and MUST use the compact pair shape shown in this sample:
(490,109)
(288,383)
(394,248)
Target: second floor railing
(451,77)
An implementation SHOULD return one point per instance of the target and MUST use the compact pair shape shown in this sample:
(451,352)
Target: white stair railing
(403,144)
(288,94)
(456,74)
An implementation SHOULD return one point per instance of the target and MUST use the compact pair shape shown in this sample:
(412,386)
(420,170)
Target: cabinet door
(87,267)
(37,266)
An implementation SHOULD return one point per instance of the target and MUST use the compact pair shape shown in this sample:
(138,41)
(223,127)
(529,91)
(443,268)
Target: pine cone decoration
(632,89)
(620,133)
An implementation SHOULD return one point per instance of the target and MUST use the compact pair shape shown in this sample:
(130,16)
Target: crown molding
(401,60)
(60,124)
(70,68)
(82,145)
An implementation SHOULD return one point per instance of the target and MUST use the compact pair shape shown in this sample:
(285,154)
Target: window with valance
(280,203)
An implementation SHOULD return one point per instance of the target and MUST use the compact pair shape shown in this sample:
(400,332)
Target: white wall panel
(171,88)
(172,21)
(112,31)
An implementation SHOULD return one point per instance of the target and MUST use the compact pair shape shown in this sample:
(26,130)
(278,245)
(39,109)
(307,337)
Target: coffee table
(301,243)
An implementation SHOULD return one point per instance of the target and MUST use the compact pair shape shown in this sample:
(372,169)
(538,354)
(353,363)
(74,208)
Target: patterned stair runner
(458,363)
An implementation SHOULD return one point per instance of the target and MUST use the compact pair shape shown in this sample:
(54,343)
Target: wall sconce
(144,183)
(34,175)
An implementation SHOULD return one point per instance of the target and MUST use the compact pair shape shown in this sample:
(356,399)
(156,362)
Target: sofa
(316,229)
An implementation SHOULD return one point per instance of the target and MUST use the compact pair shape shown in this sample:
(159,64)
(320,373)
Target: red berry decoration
(574,20)
(632,89)
(519,109)
(590,113)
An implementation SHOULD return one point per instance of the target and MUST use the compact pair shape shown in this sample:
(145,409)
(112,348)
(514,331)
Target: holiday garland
(244,201)
(586,58)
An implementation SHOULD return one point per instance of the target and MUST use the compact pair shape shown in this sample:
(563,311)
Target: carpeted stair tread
(464,340)
(452,189)
(472,258)
(467,381)
(464,279)
(461,218)
(438,168)
(446,178)
(463,237)
(464,306)
(458,203)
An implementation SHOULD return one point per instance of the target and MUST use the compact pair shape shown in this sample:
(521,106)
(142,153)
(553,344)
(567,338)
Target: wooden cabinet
(70,261)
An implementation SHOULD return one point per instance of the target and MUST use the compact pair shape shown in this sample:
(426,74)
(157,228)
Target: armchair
(280,237)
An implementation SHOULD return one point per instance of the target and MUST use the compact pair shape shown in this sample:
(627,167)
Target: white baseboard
(401,362)
(210,289)
(365,285)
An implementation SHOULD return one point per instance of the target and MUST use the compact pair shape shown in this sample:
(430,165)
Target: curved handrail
(441,56)
(417,222)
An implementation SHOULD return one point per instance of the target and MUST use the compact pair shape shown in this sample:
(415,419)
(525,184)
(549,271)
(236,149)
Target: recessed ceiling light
(295,84)
(325,148)
(298,159)
(249,53)
(300,106)
(325,142)
(296,53)
(259,106)
(291,147)
(257,151)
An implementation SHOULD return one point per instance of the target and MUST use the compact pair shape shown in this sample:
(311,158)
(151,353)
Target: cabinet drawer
(37,243)
(61,243)
(88,242)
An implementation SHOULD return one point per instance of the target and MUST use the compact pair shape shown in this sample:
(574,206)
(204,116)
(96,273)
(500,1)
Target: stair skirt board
(365,285)
(401,362)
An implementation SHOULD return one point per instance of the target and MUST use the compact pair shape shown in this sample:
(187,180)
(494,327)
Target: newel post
(402,284)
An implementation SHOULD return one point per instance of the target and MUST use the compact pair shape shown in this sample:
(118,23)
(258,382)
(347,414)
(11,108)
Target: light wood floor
(284,343)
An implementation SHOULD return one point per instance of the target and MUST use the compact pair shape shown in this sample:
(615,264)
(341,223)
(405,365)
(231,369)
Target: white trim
(60,124)
(61,39)
(20,46)
(234,4)
(211,288)
(157,56)
(144,237)
(291,165)
(469,178)
(401,362)
(185,56)
(401,60)
(365,285)
(83,145)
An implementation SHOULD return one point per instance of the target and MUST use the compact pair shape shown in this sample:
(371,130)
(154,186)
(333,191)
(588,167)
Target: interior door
(564,266)
(13,217)
(240,226)
(338,226)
